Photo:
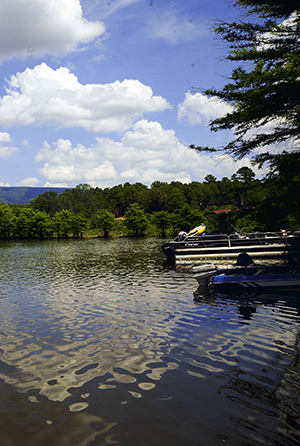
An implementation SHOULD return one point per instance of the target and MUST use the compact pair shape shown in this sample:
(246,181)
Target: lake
(102,343)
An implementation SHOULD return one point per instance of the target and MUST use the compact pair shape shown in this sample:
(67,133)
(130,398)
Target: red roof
(225,211)
(221,211)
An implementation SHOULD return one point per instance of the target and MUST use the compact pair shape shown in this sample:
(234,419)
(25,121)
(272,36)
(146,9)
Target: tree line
(239,203)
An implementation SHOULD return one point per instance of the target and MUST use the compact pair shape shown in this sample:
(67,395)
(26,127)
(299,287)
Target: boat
(190,248)
(248,277)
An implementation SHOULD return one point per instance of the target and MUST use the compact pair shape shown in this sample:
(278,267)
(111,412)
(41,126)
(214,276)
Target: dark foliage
(264,87)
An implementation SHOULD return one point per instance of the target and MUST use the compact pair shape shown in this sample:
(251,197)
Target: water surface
(103,344)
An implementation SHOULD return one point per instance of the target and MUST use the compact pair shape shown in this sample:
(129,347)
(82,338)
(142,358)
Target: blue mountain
(24,195)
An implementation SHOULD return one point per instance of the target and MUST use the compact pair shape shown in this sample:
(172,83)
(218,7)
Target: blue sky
(108,91)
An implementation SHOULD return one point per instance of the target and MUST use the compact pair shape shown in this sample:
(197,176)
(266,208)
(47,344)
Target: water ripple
(94,332)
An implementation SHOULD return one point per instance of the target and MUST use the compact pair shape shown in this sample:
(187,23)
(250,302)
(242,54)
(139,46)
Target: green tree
(162,220)
(46,202)
(136,220)
(158,196)
(7,221)
(105,220)
(264,89)
(62,222)
(25,223)
(242,181)
(245,175)
(72,200)
(210,179)
(42,225)
(176,197)
(188,218)
(78,225)
(115,200)
(281,203)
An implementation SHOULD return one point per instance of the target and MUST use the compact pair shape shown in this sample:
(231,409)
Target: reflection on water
(103,344)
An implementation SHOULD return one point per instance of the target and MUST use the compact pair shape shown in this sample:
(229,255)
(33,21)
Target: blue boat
(247,277)
(263,283)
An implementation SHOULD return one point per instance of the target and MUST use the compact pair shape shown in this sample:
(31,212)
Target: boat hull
(280,283)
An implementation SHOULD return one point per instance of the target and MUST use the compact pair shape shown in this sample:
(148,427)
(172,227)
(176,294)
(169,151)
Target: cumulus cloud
(145,154)
(44,95)
(200,109)
(29,182)
(39,27)
(6,151)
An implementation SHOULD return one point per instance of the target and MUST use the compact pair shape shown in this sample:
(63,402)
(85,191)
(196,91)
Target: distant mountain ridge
(24,195)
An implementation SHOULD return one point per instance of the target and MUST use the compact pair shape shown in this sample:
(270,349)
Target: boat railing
(242,238)
(261,238)
(205,241)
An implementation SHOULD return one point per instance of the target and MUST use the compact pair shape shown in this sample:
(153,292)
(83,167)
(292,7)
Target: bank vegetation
(239,203)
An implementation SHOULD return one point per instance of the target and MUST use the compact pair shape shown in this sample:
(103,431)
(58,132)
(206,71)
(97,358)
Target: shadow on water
(101,343)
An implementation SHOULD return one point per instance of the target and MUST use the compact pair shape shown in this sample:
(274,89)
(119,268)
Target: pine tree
(264,88)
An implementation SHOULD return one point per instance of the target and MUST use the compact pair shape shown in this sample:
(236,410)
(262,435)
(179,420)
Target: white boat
(222,246)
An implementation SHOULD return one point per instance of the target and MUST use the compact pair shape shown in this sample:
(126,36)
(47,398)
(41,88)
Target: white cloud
(199,109)
(4,137)
(29,182)
(44,95)
(145,154)
(68,165)
(6,150)
(39,27)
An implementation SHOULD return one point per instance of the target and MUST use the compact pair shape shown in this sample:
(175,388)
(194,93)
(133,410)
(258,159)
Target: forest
(239,203)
